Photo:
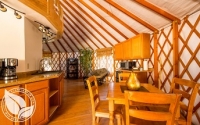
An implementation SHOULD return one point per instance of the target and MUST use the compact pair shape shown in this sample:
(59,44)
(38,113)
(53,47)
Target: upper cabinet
(127,49)
(137,47)
(119,52)
(50,9)
(141,46)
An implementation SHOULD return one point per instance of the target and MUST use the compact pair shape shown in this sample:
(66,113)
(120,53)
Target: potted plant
(86,61)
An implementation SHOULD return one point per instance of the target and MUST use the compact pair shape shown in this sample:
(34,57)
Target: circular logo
(15,108)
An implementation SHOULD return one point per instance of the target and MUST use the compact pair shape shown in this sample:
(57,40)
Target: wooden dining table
(116,96)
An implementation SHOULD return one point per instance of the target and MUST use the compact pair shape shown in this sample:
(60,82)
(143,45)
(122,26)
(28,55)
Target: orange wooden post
(156,59)
(175,49)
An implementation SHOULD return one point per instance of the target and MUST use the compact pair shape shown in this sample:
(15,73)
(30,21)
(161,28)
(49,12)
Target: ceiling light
(2,8)
(46,33)
(40,27)
(17,15)
(49,34)
(44,30)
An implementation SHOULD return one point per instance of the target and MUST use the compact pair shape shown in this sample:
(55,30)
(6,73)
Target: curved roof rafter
(159,10)
(113,16)
(132,15)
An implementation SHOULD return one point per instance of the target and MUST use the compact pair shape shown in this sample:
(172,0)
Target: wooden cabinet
(55,94)
(3,119)
(48,97)
(137,47)
(141,46)
(40,93)
(119,51)
(50,9)
(127,49)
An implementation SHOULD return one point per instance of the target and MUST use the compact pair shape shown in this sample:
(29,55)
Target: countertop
(29,78)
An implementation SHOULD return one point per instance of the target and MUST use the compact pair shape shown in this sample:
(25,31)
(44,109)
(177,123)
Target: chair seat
(102,109)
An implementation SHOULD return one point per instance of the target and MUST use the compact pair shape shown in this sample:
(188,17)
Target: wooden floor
(76,105)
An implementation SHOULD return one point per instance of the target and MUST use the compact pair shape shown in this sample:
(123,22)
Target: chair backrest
(134,97)
(189,90)
(123,77)
(94,92)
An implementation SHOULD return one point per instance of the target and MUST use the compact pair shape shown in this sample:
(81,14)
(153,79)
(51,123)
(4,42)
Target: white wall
(33,46)
(15,36)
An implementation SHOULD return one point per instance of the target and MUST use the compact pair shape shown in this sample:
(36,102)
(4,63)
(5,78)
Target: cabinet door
(40,93)
(3,119)
(141,46)
(127,49)
(119,54)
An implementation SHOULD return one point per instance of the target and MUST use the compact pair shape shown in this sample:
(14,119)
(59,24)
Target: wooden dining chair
(123,77)
(147,117)
(100,107)
(189,90)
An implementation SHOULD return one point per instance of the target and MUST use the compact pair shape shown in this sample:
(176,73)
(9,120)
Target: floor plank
(76,105)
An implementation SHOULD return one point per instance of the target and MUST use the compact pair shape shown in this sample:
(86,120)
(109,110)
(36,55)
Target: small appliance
(8,68)
(132,64)
(124,65)
(128,65)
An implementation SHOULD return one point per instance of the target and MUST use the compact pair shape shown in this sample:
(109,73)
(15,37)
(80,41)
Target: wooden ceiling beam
(115,17)
(55,46)
(75,24)
(93,20)
(70,41)
(102,18)
(131,15)
(158,10)
(72,27)
(75,37)
(62,46)
(83,31)
(49,47)
(80,15)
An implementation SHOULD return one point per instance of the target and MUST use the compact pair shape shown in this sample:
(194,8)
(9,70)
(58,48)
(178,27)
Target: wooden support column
(175,49)
(156,59)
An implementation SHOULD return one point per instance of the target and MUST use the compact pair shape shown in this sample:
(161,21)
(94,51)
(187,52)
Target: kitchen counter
(47,89)
(30,78)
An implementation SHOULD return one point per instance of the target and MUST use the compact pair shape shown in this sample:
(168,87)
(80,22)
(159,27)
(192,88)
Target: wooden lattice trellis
(188,58)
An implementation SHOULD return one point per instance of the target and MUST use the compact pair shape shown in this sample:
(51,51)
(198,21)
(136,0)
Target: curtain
(105,59)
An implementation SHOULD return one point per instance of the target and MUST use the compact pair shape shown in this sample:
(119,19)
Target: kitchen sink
(46,72)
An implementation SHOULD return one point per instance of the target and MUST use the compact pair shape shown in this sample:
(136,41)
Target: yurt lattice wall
(59,60)
(188,56)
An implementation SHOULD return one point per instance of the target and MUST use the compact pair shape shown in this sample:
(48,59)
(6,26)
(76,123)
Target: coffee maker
(8,68)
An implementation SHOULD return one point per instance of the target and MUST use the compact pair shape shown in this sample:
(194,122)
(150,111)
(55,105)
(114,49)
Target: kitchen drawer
(37,85)
(2,90)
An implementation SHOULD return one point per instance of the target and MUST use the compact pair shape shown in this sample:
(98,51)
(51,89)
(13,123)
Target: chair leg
(97,119)
(119,119)
(93,120)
